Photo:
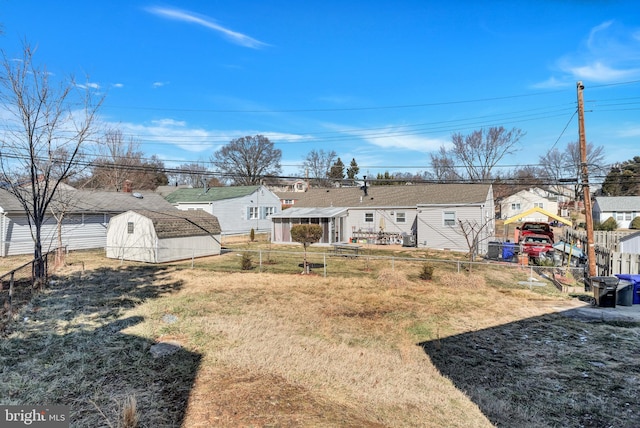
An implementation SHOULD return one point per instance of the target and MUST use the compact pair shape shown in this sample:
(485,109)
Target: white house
(162,236)
(84,223)
(622,208)
(525,200)
(397,211)
(238,208)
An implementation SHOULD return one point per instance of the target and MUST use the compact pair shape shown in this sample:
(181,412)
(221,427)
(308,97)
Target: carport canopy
(517,217)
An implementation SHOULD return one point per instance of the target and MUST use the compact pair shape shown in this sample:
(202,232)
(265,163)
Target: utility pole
(588,214)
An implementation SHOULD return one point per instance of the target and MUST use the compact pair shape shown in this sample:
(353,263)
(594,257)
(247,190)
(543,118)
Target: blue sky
(384,82)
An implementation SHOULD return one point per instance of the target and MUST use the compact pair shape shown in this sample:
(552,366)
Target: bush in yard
(252,235)
(635,224)
(306,234)
(426,272)
(609,224)
(246,262)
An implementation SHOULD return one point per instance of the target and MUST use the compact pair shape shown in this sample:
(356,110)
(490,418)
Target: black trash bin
(493,251)
(625,293)
(604,290)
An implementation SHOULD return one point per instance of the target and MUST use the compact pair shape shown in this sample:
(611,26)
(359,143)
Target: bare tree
(473,232)
(318,164)
(119,160)
(46,127)
(595,163)
(246,160)
(443,166)
(477,153)
(192,174)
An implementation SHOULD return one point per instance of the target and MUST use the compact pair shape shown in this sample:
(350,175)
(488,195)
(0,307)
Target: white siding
(139,245)
(356,220)
(183,248)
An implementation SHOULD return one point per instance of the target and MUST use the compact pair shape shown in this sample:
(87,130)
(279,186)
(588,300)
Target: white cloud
(609,53)
(553,83)
(394,137)
(159,84)
(118,85)
(204,21)
(88,85)
(630,132)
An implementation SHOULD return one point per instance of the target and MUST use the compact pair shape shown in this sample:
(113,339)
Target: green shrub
(635,224)
(609,224)
(246,262)
(426,272)
(252,235)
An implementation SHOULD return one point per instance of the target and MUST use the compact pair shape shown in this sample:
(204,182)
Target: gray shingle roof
(96,201)
(176,223)
(211,194)
(395,196)
(618,203)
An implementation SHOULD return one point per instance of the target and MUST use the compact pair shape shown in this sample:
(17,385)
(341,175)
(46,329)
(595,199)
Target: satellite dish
(137,195)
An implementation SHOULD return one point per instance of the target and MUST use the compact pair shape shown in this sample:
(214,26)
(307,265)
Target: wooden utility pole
(588,214)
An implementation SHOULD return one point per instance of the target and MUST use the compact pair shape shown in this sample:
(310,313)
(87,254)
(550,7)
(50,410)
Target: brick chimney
(127,186)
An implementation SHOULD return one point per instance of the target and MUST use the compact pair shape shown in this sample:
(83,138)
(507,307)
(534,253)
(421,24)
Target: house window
(449,218)
(401,218)
(538,205)
(130,227)
(288,201)
(515,207)
(253,213)
(268,211)
(368,217)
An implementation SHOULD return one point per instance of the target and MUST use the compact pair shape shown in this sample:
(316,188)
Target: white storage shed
(163,236)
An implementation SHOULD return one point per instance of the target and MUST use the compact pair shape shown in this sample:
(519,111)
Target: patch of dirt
(234,398)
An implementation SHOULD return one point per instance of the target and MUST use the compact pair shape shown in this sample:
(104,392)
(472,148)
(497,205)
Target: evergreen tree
(623,179)
(336,173)
(353,170)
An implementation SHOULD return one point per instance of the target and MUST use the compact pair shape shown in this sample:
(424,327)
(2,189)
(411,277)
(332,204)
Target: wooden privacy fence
(609,261)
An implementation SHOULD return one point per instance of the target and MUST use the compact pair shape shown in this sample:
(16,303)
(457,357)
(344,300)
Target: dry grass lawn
(382,349)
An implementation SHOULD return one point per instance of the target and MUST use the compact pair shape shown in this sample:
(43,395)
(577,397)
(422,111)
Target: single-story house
(525,200)
(238,208)
(84,223)
(430,213)
(622,208)
(162,236)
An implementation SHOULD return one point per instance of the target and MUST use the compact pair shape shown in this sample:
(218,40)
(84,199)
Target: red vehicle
(535,228)
(537,246)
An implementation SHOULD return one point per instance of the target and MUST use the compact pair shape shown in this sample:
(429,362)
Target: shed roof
(176,223)
(395,196)
(210,194)
(618,203)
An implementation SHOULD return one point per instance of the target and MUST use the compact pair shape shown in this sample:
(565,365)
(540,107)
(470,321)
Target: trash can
(625,293)
(508,251)
(493,251)
(604,290)
(635,279)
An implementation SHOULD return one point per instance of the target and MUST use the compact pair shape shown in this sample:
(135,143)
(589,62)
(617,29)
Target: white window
(627,216)
(368,217)
(130,227)
(253,213)
(538,205)
(267,211)
(619,216)
(401,218)
(288,201)
(449,218)
(515,206)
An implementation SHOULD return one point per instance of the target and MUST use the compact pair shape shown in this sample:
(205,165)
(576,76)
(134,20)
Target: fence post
(11,293)
(324,259)
(458,263)
(260,260)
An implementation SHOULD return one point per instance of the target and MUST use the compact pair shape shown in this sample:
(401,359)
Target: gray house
(429,213)
(84,223)
(238,208)
(622,208)
(162,236)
